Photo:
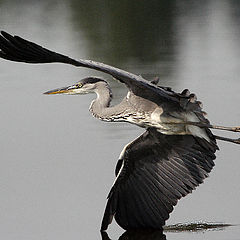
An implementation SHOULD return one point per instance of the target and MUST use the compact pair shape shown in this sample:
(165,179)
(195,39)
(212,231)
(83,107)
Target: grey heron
(169,160)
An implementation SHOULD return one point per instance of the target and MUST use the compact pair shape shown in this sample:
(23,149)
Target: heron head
(84,86)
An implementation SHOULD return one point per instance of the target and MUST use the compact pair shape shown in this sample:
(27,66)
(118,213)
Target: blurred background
(57,162)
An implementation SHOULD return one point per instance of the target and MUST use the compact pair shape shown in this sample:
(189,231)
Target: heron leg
(233,140)
(204,125)
(232,129)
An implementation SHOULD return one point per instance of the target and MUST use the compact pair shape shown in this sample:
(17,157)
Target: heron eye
(79,85)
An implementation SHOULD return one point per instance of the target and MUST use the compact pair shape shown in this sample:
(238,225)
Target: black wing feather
(15,48)
(157,171)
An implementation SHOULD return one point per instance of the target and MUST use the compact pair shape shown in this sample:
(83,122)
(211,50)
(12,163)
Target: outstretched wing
(15,48)
(157,171)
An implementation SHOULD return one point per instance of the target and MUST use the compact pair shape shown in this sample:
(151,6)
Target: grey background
(57,162)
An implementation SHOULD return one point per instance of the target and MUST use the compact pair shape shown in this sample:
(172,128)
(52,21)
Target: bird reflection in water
(142,234)
(138,235)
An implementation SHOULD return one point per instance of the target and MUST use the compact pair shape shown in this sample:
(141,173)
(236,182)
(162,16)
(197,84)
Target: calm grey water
(57,162)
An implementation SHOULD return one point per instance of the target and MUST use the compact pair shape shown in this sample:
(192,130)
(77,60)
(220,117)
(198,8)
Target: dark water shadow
(196,227)
(138,235)
(159,235)
(120,29)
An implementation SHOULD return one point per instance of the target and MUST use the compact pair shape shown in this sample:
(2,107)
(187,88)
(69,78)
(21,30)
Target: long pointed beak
(64,90)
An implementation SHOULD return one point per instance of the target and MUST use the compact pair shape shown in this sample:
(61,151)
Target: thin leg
(204,125)
(232,129)
(237,140)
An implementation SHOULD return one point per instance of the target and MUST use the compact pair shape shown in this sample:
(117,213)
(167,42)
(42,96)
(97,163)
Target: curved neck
(100,106)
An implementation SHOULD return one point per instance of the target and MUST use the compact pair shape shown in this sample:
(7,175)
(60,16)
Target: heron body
(169,160)
(140,111)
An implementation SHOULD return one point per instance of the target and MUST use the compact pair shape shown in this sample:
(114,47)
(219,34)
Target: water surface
(57,162)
